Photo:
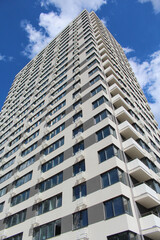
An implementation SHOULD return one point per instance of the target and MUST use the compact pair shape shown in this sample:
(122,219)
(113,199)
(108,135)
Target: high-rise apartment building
(79,145)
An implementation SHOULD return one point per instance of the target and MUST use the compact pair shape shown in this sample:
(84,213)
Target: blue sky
(26,26)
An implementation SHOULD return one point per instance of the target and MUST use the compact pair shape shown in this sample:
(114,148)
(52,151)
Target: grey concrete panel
(93,185)
(96,213)
(67,173)
(66,224)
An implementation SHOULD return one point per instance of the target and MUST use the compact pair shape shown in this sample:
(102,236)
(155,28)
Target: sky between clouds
(56,14)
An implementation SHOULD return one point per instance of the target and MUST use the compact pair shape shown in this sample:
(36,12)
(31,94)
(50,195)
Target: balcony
(139,170)
(112,79)
(150,226)
(115,89)
(146,196)
(118,101)
(127,130)
(122,115)
(133,149)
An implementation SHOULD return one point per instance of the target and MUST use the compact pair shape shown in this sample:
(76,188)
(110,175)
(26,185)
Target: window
(23,179)
(55,132)
(16,218)
(93,62)
(77,103)
(90,50)
(78,147)
(77,116)
(99,101)
(49,204)
(75,94)
(124,235)
(77,131)
(3,191)
(117,206)
(26,164)
(102,115)
(93,71)
(30,149)
(33,136)
(34,126)
(113,176)
(105,132)
(15,237)
(52,163)
(54,146)
(80,219)
(79,167)
(109,152)
(12,151)
(56,119)
(8,164)
(79,191)
(6,176)
(97,90)
(51,182)
(57,108)
(1,206)
(20,198)
(48,230)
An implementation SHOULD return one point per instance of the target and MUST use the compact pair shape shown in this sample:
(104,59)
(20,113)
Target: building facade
(79,145)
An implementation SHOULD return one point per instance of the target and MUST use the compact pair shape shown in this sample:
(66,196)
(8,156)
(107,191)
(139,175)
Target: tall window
(79,191)
(80,219)
(79,167)
(78,147)
(77,131)
(117,206)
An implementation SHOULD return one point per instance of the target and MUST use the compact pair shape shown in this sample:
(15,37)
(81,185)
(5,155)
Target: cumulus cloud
(127,50)
(148,75)
(155,3)
(50,24)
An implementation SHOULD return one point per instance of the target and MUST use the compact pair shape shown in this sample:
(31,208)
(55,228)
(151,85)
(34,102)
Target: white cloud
(4,58)
(148,75)
(155,3)
(128,50)
(50,24)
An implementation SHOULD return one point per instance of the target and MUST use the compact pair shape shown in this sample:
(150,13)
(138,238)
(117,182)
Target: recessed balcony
(139,170)
(127,130)
(150,226)
(146,196)
(133,149)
